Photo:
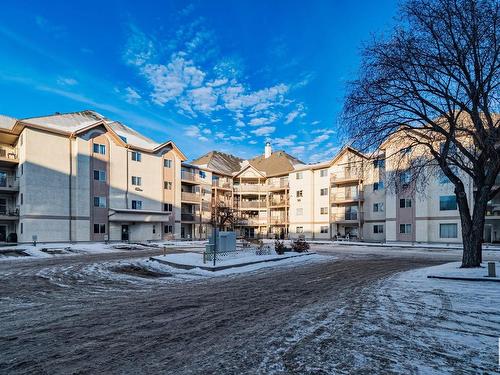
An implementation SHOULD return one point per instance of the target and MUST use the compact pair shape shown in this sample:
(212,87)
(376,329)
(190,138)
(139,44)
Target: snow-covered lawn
(442,325)
(195,260)
(453,270)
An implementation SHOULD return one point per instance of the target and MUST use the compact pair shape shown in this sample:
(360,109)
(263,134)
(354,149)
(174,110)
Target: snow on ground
(196,260)
(453,270)
(442,325)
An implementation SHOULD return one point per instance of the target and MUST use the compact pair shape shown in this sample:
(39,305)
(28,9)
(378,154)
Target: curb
(496,280)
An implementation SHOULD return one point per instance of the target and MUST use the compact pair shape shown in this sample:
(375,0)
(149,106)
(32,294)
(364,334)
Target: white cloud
(298,150)
(315,122)
(285,141)
(263,131)
(323,131)
(131,96)
(195,132)
(321,138)
(67,81)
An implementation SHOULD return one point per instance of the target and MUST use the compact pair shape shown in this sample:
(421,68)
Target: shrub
(300,245)
(279,247)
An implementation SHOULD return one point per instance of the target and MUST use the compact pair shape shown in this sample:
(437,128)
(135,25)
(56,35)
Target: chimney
(267,150)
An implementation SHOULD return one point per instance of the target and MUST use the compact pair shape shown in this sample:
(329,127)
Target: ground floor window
(168,229)
(378,228)
(324,229)
(405,228)
(448,230)
(99,228)
(299,230)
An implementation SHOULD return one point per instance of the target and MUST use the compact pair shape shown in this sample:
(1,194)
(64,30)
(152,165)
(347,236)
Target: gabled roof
(7,122)
(219,162)
(277,163)
(79,122)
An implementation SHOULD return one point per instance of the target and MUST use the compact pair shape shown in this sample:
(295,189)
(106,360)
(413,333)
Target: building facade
(83,177)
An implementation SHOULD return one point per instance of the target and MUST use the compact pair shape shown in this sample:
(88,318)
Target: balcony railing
(222,184)
(278,202)
(8,153)
(251,188)
(190,197)
(12,213)
(187,217)
(189,176)
(252,204)
(252,222)
(9,183)
(278,185)
(278,220)
(347,196)
(348,175)
(347,216)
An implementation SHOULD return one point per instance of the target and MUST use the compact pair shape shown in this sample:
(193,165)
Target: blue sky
(223,75)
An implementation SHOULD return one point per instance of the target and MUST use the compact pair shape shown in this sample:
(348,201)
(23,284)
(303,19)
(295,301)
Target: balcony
(252,221)
(250,188)
(8,154)
(278,202)
(282,185)
(221,184)
(9,183)
(251,204)
(190,197)
(278,220)
(191,177)
(9,214)
(346,197)
(347,217)
(347,177)
(187,217)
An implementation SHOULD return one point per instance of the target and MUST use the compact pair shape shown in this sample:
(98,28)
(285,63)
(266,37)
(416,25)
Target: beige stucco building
(83,177)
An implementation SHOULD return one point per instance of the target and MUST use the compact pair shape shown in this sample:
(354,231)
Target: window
(167,229)
(378,185)
(100,202)
(299,211)
(323,191)
(378,163)
(404,203)
(202,174)
(167,163)
(136,181)
(323,173)
(167,185)
(299,230)
(447,203)
(378,228)
(323,229)
(443,179)
(299,193)
(378,207)
(154,229)
(99,228)
(404,177)
(21,198)
(99,149)
(448,230)
(22,169)
(99,175)
(123,138)
(22,227)
(136,205)
(405,228)
(324,210)
(298,175)
(167,207)
(136,156)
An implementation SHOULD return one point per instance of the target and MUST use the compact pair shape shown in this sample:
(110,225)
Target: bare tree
(224,217)
(436,80)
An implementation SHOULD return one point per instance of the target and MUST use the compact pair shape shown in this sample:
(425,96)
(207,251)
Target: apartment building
(82,177)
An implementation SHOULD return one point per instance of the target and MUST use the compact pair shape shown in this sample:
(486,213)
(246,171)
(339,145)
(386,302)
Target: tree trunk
(473,228)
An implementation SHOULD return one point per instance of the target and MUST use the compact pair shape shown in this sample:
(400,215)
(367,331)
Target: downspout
(70,185)
(126,188)
(313,208)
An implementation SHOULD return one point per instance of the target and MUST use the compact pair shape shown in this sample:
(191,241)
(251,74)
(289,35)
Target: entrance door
(124,232)
(3,233)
